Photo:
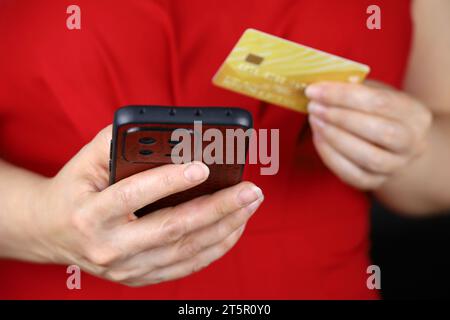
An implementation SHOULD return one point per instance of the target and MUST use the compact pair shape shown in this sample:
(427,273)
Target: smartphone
(142,140)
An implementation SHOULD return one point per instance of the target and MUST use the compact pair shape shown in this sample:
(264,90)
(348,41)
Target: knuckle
(172,231)
(404,139)
(220,208)
(227,227)
(190,248)
(78,221)
(380,99)
(167,181)
(377,162)
(397,137)
(337,117)
(125,196)
(390,133)
(333,135)
(336,91)
(102,256)
(81,222)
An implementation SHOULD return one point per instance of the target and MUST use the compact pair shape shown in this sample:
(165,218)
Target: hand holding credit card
(277,71)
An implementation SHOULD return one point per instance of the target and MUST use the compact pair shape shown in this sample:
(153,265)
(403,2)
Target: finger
(210,235)
(169,226)
(141,189)
(344,168)
(192,265)
(382,102)
(386,133)
(360,152)
(190,246)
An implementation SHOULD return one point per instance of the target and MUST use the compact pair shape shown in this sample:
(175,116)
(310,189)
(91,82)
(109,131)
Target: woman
(308,240)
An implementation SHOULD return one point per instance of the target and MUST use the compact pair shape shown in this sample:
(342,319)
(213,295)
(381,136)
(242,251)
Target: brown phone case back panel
(140,147)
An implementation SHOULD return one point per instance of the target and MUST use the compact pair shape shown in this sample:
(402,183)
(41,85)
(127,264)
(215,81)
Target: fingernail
(316,122)
(251,208)
(249,195)
(196,171)
(316,108)
(313,91)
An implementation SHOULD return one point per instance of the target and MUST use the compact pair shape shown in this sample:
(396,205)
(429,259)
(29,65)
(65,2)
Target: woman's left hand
(366,134)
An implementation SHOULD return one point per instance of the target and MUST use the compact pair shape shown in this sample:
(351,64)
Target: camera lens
(145,152)
(147,140)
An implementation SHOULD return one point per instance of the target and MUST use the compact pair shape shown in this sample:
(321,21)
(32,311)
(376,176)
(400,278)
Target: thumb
(137,191)
(91,163)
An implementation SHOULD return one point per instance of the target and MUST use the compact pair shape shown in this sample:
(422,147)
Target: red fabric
(59,87)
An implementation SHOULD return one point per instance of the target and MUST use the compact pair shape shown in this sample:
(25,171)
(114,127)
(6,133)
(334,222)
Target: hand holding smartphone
(142,139)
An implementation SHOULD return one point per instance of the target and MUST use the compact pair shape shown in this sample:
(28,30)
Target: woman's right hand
(76,218)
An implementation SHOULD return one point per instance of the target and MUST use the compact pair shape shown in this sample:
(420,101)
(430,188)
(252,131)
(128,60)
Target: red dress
(58,87)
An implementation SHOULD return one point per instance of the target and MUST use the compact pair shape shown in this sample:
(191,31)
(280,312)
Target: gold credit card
(277,71)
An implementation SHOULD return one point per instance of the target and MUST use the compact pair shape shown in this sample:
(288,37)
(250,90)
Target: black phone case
(142,140)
